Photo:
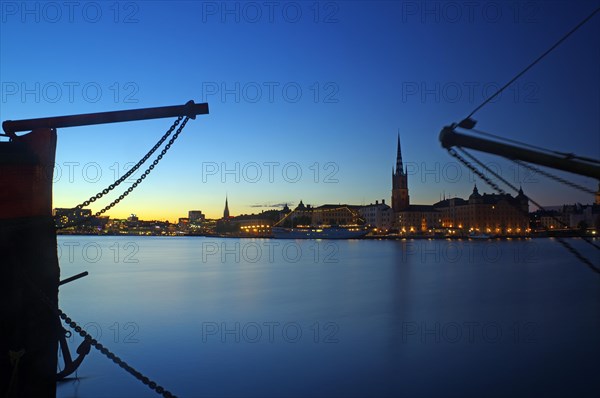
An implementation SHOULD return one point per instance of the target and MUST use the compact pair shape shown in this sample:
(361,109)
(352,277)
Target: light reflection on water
(275,318)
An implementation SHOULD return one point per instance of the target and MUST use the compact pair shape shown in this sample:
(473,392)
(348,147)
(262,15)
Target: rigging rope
(511,81)
(453,153)
(515,141)
(565,244)
(553,177)
(566,155)
(489,170)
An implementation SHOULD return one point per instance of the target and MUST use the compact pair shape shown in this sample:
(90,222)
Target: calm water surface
(274,318)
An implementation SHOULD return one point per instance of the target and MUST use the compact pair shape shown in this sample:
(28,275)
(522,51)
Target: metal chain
(52,305)
(133,169)
(139,180)
(491,183)
(146,172)
(553,177)
(105,351)
(93,342)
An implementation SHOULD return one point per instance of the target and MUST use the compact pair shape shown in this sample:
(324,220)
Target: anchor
(70,365)
(30,277)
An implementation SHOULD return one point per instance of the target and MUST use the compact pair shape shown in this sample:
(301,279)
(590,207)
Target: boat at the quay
(320,232)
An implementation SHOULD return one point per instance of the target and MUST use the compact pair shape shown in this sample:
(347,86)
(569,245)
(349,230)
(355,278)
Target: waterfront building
(488,213)
(196,216)
(378,215)
(500,214)
(575,216)
(284,212)
(254,226)
(336,215)
(183,224)
(328,214)
(418,219)
(196,222)
(66,216)
(582,216)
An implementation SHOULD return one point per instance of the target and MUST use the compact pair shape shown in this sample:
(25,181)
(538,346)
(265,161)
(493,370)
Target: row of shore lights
(509,230)
(254,228)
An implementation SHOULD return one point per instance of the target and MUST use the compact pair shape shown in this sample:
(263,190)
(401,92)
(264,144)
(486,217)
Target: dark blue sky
(306,98)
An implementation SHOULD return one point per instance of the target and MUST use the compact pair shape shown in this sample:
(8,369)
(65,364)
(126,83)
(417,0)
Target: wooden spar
(190,110)
(449,138)
(29,272)
(74,278)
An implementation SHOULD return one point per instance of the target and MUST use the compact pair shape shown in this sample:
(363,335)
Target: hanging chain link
(147,171)
(107,353)
(52,306)
(492,184)
(131,171)
(93,342)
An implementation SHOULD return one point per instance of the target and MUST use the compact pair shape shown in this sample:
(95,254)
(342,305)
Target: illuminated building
(329,214)
(378,215)
(68,216)
(500,214)
(196,216)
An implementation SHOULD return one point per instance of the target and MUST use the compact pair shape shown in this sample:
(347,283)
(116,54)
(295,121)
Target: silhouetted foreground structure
(30,271)
(567,162)
(29,335)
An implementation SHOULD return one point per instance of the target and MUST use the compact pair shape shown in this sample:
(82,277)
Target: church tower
(226,211)
(400,200)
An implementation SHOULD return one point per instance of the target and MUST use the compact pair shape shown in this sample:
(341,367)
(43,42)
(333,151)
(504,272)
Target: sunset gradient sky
(306,98)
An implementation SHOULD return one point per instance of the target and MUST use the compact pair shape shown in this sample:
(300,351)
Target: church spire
(226,211)
(399,167)
(400,198)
